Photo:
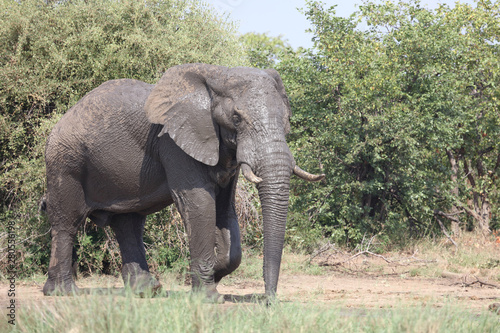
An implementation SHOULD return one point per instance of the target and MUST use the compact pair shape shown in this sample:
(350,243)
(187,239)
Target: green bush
(52,54)
(402,114)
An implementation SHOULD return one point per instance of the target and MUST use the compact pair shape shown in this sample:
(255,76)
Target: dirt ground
(372,281)
(363,281)
(376,292)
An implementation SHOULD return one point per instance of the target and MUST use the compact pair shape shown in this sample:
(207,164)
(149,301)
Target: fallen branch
(323,249)
(359,254)
(378,256)
(481,283)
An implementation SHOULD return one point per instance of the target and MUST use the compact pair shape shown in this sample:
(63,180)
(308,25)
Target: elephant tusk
(307,176)
(249,175)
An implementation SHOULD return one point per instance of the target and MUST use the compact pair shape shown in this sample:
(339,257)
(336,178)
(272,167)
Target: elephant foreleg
(197,207)
(129,229)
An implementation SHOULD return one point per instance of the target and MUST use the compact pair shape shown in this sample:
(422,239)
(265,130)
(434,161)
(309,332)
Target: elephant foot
(213,297)
(146,286)
(65,288)
(141,282)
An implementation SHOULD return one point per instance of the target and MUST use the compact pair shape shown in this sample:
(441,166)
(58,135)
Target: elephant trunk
(274,192)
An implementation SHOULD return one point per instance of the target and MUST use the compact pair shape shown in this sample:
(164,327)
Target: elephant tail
(43,204)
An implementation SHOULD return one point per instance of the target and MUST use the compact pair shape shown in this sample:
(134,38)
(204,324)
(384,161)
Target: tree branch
(469,211)
(448,216)
(469,174)
(444,231)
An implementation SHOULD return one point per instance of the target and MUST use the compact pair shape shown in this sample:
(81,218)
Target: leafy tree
(398,115)
(264,51)
(54,52)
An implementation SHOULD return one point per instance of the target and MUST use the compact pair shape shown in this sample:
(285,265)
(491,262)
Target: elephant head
(211,111)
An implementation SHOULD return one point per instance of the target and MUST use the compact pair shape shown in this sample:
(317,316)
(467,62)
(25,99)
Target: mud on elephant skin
(128,149)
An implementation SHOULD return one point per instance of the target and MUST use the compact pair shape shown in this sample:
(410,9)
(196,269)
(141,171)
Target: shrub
(55,52)
(402,115)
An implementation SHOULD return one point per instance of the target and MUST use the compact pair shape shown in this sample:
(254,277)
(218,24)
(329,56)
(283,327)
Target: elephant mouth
(249,174)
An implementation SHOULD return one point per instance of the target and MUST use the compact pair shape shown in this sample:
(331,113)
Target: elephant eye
(236,119)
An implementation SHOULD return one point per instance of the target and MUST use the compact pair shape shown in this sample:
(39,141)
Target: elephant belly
(144,203)
(127,187)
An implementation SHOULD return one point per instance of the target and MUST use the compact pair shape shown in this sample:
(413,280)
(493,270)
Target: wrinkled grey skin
(128,149)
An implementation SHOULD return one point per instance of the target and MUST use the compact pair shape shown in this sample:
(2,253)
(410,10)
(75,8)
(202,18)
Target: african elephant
(128,149)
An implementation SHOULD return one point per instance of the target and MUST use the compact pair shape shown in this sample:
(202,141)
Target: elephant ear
(182,103)
(281,90)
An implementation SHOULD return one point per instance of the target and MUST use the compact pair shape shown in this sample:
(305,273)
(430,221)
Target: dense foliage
(262,50)
(399,106)
(54,52)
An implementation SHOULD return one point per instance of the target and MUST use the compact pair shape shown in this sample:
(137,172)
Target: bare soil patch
(344,280)
(370,281)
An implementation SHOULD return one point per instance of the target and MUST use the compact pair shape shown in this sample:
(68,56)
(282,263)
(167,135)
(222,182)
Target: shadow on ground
(120,291)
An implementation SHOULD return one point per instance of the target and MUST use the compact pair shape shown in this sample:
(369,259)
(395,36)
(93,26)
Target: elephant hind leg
(228,248)
(129,229)
(66,210)
(227,234)
(61,269)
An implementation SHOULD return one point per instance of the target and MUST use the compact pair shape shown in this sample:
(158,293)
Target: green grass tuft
(187,312)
